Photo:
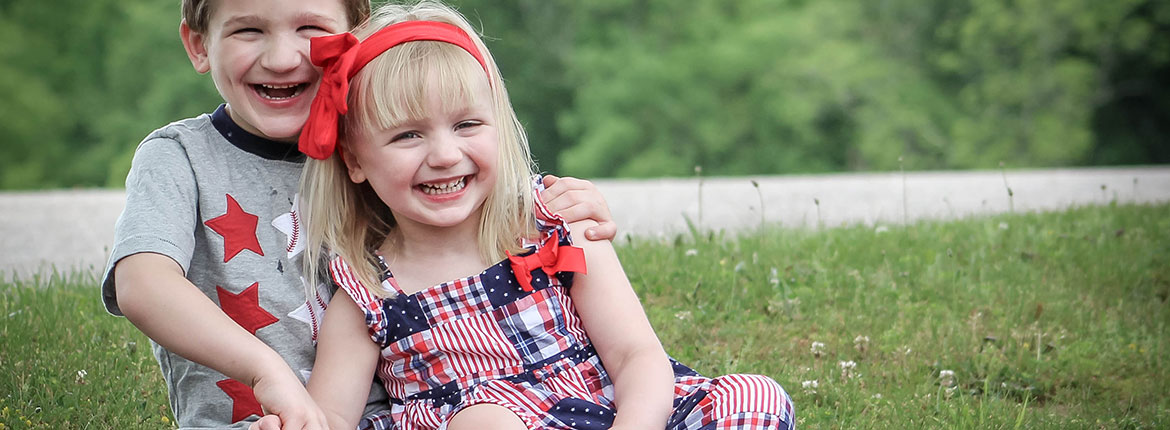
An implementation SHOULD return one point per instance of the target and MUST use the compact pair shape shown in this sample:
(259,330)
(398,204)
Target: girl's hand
(579,200)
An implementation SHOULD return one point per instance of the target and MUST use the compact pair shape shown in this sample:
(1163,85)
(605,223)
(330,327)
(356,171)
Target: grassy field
(1054,320)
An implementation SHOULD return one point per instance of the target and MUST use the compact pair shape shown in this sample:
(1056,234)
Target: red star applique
(238,229)
(244,403)
(244,308)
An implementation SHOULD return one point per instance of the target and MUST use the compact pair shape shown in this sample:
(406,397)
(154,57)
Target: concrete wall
(69,230)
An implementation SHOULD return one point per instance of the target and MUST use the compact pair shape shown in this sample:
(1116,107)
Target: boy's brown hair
(197,13)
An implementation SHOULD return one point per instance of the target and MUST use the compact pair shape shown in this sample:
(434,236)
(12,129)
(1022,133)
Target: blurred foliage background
(640,88)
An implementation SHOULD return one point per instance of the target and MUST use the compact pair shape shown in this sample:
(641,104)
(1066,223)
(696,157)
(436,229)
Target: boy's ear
(196,49)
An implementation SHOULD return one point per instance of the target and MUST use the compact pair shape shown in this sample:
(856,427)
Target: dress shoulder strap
(370,304)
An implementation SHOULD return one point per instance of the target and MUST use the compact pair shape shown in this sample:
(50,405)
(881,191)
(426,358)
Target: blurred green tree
(780,87)
(83,81)
(655,87)
(532,41)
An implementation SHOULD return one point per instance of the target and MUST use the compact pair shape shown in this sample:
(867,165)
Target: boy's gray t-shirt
(218,201)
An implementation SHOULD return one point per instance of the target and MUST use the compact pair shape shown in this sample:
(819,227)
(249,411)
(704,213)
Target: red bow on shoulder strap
(550,257)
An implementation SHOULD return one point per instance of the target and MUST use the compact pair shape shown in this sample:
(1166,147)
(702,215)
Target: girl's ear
(193,43)
(351,165)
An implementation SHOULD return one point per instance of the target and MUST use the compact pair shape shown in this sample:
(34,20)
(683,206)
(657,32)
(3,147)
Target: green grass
(1055,320)
(69,364)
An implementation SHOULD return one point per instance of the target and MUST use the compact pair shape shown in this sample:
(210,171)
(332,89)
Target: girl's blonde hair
(349,220)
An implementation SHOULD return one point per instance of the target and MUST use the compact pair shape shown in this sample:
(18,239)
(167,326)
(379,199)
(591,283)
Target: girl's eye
(312,28)
(467,124)
(405,136)
(247,30)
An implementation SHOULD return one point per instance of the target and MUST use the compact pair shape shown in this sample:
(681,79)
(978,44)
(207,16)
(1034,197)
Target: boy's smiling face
(258,54)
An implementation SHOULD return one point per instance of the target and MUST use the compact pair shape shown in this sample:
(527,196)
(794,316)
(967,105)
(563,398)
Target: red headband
(342,56)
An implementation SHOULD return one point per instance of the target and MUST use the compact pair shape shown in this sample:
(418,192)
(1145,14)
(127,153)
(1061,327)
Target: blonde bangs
(393,88)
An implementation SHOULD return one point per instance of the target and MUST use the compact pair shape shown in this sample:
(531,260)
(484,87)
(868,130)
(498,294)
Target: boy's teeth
(279,92)
(449,187)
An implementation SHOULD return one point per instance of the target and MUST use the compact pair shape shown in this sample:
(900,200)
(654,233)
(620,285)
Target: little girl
(422,180)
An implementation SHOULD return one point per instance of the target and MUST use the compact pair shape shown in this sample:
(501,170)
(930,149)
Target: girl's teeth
(450,187)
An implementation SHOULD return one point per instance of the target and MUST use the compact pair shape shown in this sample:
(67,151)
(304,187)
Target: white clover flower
(881,229)
(847,368)
(818,348)
(946,378)
(861,343)
(1003,226)
(683,315)
(692,252)
(810,387)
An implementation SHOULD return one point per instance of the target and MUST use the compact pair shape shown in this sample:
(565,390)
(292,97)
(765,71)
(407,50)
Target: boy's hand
(267,422)
(288,406)
(576,200)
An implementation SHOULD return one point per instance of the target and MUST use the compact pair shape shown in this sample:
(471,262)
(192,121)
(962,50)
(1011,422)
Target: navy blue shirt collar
(259,146)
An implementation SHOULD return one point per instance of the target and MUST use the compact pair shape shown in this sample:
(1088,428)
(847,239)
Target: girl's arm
(346,359)
(156,297)
(621,333)
(578,200)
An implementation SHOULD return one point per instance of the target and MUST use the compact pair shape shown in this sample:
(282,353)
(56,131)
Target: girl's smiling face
(436,169)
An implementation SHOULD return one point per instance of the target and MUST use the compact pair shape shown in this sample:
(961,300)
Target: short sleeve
(371,305)
(160,215)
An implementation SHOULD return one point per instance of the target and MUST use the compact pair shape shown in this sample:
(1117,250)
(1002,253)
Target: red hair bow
(551,257)
(341,56)
(335,54)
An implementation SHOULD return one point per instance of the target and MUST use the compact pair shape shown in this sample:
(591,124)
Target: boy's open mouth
(279,92)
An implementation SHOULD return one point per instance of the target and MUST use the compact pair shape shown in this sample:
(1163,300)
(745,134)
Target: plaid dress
(518,343)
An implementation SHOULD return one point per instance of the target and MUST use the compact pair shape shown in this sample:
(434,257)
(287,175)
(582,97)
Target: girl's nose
(444,151)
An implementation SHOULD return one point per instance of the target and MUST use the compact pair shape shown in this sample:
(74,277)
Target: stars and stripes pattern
(485,340)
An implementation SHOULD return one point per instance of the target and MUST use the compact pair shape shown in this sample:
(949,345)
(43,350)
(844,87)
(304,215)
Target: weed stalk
(699,174)
(1011,196)
(902,169)
(760,195)
(820,222)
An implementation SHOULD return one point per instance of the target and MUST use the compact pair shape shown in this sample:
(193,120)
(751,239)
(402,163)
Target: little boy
(204,257)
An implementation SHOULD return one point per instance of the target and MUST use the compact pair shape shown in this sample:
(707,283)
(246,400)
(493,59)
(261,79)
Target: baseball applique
(290,224)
